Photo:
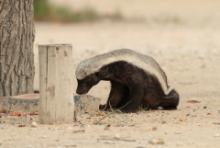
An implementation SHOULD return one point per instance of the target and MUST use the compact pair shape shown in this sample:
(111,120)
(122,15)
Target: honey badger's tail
(170,101)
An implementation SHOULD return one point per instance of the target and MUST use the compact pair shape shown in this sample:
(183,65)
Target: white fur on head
(147,63)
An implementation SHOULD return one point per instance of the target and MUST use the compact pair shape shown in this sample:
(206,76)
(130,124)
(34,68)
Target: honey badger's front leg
(115,97)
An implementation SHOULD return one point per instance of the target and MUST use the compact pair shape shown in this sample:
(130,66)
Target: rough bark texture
(16,47)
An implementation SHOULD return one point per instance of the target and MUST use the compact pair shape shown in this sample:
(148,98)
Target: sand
(188,52)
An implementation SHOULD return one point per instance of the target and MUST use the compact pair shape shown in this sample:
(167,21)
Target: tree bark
(16,47)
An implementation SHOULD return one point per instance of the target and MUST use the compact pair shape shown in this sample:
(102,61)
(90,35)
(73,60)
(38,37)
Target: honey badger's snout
(81,91)
(82,88)
(86,84)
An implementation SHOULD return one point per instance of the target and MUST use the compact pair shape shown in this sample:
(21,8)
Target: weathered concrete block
(21,103)
(86,104)
(30,103)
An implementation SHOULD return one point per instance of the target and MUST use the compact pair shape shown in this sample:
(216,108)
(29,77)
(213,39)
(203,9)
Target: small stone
(182,119)
(34,124)
(163,122)
(107,127)
(156,141)
(154,128)
(217,135)
(44,136)
(160,108)
(117,136)
(198,124)
(70,128)
(1,127)
(204,107)
(29,146)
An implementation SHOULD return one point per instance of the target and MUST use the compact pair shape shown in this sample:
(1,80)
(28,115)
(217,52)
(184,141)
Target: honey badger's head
(85,84)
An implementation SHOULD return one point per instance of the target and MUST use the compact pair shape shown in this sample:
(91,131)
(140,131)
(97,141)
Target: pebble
(107,127)
(117,136)
(187,114)
(163,122)
(156,141)
(34,124)
(30,146)
(217,135)
(209,114)
(154,128)
(70,128)
(44,136)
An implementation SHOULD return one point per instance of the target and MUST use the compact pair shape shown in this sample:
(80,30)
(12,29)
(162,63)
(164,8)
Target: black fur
(131,88)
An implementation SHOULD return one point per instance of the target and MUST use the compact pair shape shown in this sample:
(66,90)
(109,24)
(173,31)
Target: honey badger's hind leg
(134,99)
(115,97)
(170,101)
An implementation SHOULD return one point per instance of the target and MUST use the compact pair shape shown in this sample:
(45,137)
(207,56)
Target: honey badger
(137,80)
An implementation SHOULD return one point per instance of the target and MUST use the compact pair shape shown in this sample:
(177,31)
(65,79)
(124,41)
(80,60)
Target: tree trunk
(16,47)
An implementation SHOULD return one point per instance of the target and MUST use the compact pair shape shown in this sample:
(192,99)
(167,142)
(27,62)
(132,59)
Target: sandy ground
(190,56)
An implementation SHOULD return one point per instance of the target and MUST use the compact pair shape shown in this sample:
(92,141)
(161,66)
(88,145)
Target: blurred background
(191,12)
(182,35)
